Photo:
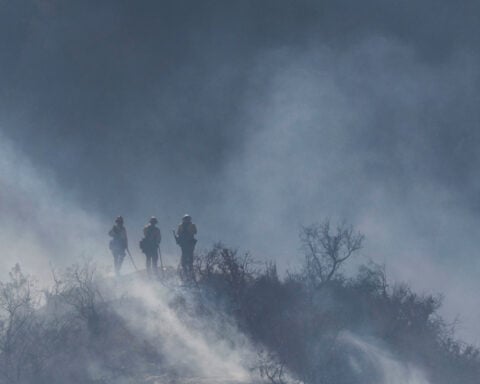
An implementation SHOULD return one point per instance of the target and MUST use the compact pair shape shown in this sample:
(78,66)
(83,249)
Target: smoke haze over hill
(254,117)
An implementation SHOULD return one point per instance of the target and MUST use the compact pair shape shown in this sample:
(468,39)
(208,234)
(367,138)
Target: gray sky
(253,116)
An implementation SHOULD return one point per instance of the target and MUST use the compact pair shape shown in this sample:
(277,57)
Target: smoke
(345,135)
(41,224)
(255,119)
(390,370)
(206,348)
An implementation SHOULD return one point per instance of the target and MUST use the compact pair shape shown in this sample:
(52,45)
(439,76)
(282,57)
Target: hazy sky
(253,116)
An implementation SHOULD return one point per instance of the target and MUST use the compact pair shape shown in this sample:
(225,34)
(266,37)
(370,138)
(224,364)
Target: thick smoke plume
(257,118)
(41,224)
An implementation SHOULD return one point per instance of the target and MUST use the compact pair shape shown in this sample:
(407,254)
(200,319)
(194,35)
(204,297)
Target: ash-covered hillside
(237,322)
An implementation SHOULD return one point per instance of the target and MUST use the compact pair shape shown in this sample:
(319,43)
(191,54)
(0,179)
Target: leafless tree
(224,261)
(19,328)
(326,249)
(373,277)
(78,287)
(271,368)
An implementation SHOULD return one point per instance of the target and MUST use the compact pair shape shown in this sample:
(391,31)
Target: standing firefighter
(150,243)
(119,243)
(185,238)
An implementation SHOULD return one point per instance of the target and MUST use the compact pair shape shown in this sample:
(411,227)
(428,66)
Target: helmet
(187,218)
(153,220)
(119,220)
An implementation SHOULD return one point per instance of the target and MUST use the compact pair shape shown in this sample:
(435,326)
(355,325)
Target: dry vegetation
(72,333)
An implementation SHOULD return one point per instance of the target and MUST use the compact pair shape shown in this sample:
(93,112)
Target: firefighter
(150,244)
(185,238)
(118,243)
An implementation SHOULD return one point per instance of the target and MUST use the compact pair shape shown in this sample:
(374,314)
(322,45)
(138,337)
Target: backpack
(144,245)
(147,244)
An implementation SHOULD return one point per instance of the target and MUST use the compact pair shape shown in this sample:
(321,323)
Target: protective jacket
(151,239)
(119,242)
(186,234)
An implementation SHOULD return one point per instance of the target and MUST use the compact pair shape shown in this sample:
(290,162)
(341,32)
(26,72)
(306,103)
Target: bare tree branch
(326,250)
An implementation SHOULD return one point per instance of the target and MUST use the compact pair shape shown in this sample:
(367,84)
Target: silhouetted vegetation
(73,333)
(302,317)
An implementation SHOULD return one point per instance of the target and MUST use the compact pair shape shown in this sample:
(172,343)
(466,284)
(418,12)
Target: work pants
(152,262)
(118,260)
(187,258)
